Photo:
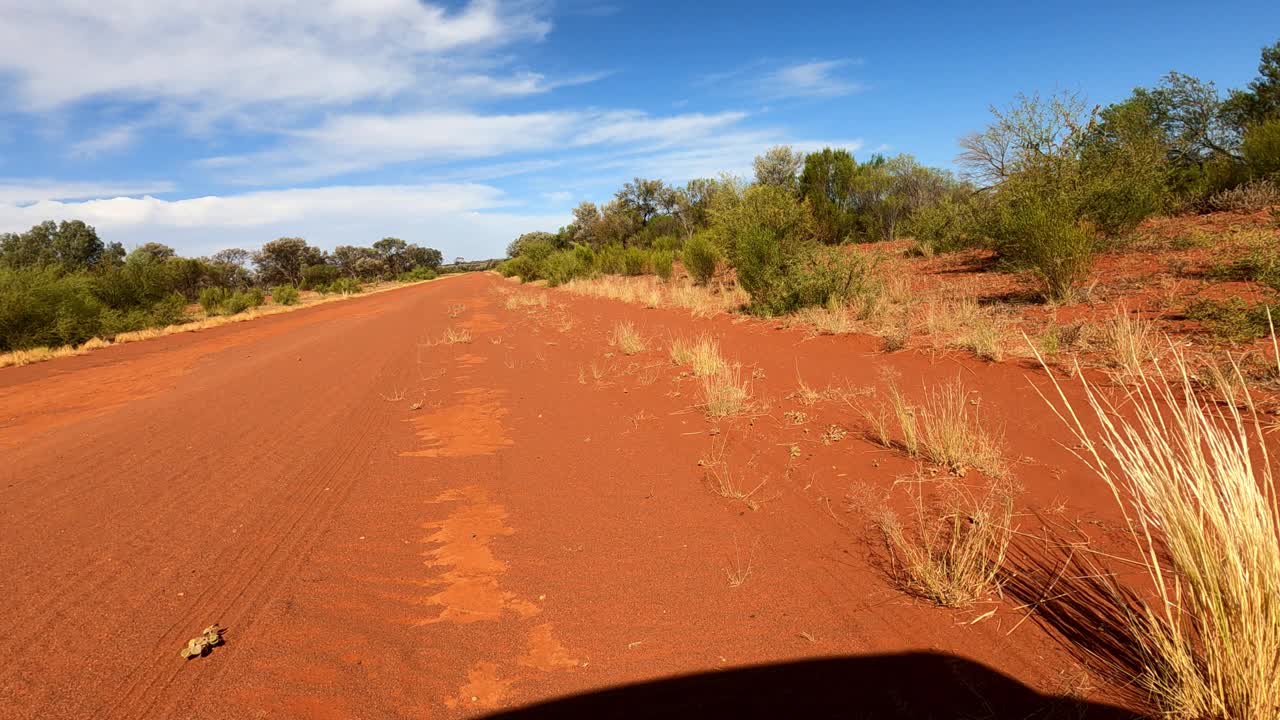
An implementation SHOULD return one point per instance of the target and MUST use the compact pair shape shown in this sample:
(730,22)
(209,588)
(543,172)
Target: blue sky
(459,125)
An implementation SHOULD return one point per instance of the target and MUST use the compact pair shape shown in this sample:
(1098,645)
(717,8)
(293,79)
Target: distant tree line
(60,284)
(1047,184)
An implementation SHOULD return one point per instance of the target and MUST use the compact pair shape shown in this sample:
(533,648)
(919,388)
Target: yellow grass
(627,339)
(952,549)
(946,430)
(725,483)
(651,292)
(1129,341)
(454,336)
(1195,483)
(702,355)
(724,392)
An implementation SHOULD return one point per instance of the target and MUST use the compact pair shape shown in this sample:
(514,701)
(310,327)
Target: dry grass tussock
(724,392)
(952,546)
(1195,483)
(1128,342)
(525,300)
(652,292)
(945,430)
(701,355)
(627,339)
(725,483)
(455,336)
(41,354)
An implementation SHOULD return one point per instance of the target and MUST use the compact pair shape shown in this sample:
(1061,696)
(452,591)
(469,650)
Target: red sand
(521,536)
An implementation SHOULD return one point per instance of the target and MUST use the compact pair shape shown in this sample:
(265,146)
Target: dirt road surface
(390,525)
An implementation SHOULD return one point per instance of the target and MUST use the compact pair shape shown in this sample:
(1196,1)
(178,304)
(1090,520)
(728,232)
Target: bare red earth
(394,527)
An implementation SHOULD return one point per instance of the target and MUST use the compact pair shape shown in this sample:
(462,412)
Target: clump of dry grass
(525,300)
(1195,483)
(985,338)
(837,320)
(725,483)
(627,339)
(950,551)
(702,354)
(454,336)
(651,292)
(945,430)
(724,392)
(1129,341)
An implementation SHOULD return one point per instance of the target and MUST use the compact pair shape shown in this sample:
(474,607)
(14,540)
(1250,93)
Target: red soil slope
(390,526)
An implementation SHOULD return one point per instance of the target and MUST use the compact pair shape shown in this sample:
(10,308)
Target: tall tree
(778,166)
(827,183)
(282,260)
(644,197)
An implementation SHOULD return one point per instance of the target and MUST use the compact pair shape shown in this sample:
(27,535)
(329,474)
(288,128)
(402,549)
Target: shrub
(40,306)
(1040,234)
(949,225)
(242,300)
(611,259)
(314,276)
(1261,148)
(213,298)
(562,266)
(700,258)
(169,311)
(663,264)
(782,278)
(635,261)
(519,266)
(1232,319)
(417,274)
(668,243)
(1252,196)
(1260,265)
(346,286)
(284,295)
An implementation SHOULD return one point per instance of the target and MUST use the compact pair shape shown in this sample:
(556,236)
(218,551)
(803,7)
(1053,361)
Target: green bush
(40,306)
(700,258)
(346,286)
(611,259)
(664,264)
(1261,265)
(520,266)
(950,225)
(1261,148)
(170,311)
(564,265)
(213,298)
(668,243)
(635,261)
(316,275)
(1040,234)
(417,274)
(284,295)
(1231,319)
(784,277)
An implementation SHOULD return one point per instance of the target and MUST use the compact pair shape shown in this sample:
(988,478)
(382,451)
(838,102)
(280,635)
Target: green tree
(392,249)
(778,166)
(643,197)
(827,184)
(282,260)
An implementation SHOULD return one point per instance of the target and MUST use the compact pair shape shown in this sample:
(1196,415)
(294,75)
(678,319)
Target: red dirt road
(529,531)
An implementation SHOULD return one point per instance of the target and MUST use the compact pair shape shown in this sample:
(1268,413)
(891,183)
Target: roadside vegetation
(63,290)
(1049,187)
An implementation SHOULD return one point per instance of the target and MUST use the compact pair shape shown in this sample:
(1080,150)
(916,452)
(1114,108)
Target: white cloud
(811,79)
(228,54)
(16,191)
(356,142)
(471,220)
(109,140)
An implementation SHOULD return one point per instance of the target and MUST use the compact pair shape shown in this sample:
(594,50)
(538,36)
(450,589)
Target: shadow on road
(909,685)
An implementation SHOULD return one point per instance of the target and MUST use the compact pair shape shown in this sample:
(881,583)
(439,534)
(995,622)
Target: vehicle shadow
(917,685)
